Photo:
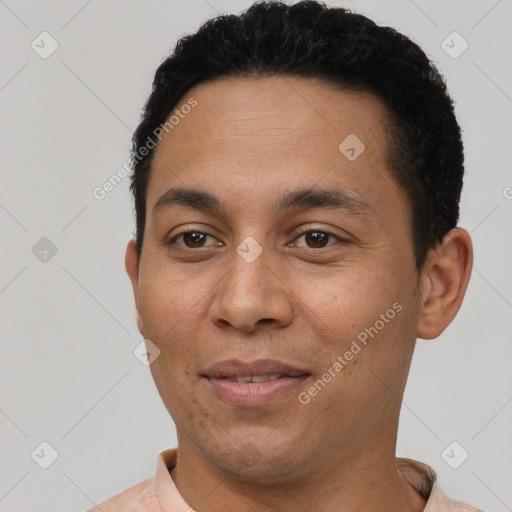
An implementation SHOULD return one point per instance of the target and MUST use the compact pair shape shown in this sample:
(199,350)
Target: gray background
(68,375)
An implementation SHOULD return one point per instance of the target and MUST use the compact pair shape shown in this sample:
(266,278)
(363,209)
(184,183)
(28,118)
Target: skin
(247,142)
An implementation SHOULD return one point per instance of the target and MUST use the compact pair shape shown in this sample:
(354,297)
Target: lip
(236,367)
(253,394)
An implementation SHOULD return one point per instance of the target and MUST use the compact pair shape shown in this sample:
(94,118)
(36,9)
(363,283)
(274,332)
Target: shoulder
(424,480)
(439,502)
(138,498)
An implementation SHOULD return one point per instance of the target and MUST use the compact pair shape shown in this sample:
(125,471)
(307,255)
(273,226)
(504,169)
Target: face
(291,261)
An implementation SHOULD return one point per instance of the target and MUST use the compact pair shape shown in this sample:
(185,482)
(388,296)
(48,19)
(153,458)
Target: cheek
(341,305)
(170,324)
(168,304)
(361,318)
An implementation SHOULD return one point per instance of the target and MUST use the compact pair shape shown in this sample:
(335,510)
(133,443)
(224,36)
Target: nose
(252,295)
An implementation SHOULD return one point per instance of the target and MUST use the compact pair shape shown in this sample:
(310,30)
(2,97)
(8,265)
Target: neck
(366,480)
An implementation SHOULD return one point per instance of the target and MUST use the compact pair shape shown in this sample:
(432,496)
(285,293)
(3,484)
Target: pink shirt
(159,493)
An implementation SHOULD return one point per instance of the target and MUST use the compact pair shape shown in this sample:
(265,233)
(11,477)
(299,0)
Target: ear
(444,280)
(131,263)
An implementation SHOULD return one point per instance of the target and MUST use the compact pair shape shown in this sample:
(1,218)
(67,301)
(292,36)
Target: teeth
(256,378)
(259,378)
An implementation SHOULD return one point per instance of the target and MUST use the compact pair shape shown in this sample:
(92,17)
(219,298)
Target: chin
(265,464)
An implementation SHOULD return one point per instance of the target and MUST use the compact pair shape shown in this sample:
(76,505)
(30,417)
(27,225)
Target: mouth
(252,384)
(242,379)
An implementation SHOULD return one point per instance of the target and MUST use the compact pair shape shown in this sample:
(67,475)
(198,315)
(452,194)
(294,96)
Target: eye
(314,239)
(317,239)
(192,239)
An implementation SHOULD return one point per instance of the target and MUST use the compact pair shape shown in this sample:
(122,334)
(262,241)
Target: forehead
(263,107)
(255,135)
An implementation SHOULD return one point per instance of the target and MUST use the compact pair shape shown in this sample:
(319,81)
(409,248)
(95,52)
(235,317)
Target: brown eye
(316,239)
(191,239)
(194,239)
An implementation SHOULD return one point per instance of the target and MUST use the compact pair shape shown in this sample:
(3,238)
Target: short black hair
(342,48)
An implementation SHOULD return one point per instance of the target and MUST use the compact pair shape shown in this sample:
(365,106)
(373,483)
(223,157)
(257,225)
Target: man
(297,174)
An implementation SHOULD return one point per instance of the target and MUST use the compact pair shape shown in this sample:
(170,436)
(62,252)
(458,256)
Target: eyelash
(172,241)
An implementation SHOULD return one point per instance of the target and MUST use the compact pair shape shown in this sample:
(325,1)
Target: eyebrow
(330,198)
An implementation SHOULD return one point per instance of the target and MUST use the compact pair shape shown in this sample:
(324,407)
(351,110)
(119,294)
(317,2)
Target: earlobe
(444,282)
(131,262)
